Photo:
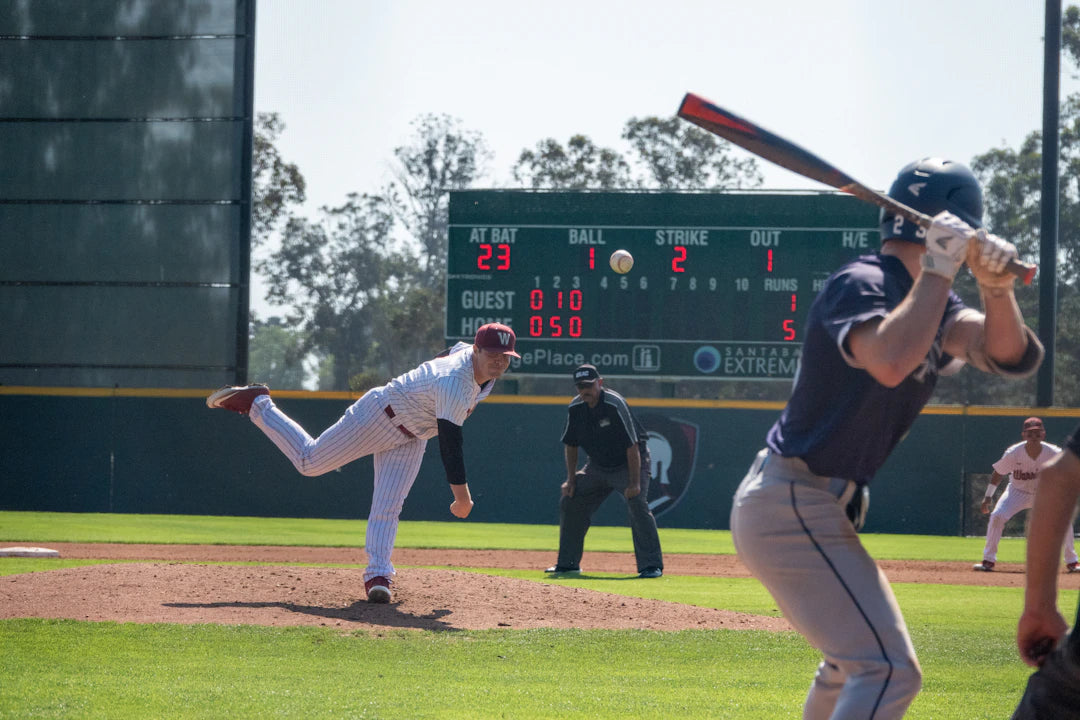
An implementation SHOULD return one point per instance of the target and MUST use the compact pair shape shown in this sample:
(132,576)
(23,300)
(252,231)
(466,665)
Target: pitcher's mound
(423,599)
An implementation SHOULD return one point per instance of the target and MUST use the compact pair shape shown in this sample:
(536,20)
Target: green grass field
(66,669)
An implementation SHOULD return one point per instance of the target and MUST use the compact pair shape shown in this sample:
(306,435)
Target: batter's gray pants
(791,530)
(592,488)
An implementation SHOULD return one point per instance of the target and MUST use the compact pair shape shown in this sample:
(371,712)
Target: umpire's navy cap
(586,374)
(497,338)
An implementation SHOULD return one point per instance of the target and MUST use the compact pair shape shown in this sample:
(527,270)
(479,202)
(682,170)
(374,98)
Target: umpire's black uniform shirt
(605,431)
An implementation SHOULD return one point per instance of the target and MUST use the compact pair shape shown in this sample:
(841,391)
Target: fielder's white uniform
(1019,495)
(393,424)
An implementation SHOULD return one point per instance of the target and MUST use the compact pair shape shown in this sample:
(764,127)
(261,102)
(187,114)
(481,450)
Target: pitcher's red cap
(496,337)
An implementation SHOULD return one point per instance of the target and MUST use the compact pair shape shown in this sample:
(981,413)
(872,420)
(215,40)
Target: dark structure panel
(125,192)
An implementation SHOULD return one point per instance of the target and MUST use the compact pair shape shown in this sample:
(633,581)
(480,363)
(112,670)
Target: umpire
(599,421)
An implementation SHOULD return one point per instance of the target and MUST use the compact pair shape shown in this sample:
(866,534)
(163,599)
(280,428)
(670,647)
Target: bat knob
(1029,275)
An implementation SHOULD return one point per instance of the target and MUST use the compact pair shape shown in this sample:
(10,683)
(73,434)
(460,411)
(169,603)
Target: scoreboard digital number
(720,286)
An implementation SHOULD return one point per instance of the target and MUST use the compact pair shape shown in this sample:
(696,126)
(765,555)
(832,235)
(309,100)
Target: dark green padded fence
(172,455)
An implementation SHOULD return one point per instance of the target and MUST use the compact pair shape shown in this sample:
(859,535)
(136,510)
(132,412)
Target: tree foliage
(1012,183)
(675,155)
(578,166)
(277,354)
(441,156)
(665,154)
(277,186)
(339,276)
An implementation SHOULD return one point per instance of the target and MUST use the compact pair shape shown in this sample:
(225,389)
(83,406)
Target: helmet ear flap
(931,185)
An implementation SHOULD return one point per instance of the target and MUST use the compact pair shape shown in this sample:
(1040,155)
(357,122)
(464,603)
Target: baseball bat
(776,149)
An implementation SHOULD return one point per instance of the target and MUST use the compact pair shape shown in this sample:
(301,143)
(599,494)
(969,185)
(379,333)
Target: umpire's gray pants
(592,487)
(791,530)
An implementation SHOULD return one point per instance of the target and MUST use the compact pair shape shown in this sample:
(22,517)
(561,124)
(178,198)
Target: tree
(277,354)
(277,185)
(338,274)
(580,165)
(675,155)
(1012,182)
(441,157)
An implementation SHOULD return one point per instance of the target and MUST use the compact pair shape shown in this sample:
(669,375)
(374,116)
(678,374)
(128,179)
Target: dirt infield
(168,585)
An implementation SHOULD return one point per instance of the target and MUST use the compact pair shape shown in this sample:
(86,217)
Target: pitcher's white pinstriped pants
(364,429)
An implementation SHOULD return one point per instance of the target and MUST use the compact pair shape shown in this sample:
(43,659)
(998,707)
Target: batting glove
(988,259)
(946,245)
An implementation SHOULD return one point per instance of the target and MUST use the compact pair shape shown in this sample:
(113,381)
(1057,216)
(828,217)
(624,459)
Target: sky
(868,86)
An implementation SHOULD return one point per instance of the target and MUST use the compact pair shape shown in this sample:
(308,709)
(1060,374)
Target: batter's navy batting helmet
(931,185)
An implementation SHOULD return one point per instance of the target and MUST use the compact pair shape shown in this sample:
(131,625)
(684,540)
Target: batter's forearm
(1004,337)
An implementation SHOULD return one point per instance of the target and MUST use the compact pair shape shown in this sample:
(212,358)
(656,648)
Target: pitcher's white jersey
(440,389)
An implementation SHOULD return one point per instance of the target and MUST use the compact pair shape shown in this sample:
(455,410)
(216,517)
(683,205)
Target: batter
(393,424)
(878,335)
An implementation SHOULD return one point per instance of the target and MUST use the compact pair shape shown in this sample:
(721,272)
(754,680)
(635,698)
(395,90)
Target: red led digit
(558,300)
(678,259)
(789,330)
(485,255)
(536,326)
(575,326)
(575,300)
(536,299)
(504,257)
(768,263)
(592,258)
(792,303)
(555,323)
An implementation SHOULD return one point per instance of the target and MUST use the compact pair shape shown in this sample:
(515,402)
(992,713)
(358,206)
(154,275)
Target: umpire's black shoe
(560,570)
(651,572)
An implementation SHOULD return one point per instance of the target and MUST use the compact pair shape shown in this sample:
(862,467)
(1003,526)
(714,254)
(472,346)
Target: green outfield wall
(164,451)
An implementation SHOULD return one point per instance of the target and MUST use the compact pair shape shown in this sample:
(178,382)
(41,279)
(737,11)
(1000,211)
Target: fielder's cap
(496,337)
(1032,422)
(586,375)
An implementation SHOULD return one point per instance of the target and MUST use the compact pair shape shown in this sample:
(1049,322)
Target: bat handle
(1024,271)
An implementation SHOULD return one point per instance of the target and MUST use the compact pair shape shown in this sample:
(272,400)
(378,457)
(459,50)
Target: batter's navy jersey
(840,420)
(605,431)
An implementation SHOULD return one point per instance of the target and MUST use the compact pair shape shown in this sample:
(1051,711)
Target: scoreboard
(720,287)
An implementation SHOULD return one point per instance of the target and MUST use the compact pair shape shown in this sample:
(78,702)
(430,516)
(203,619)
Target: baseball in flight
(621,261)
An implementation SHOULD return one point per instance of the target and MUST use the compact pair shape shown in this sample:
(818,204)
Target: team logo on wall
(673,447)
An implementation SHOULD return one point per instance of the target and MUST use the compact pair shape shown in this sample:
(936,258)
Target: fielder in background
(393,424)
(878,334)
(1054,690)
(1021,462)
(599,421)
